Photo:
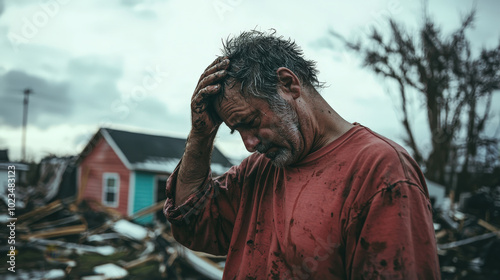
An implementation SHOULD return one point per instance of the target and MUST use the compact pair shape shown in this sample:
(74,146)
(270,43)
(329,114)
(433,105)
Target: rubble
(66,239)
(468,237)
(130,230)
(111,271)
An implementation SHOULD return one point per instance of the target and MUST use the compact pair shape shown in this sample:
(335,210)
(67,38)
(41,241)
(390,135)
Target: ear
(288,82)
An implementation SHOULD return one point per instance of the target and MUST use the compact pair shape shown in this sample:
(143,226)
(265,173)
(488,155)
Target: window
(110,189)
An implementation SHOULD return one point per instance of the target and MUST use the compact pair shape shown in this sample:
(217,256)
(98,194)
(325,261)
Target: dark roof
(4,155)
(138,147)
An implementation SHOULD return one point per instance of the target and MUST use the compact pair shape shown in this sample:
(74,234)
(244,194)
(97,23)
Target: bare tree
(455,87)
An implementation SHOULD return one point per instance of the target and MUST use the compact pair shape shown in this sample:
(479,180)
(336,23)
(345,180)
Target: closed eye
(251,124)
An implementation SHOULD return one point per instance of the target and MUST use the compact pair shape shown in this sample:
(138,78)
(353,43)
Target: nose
(250,140)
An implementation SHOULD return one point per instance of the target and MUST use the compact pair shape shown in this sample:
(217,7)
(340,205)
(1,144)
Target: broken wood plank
(441,234)
(203,265)
(140,261)
(98,230)
(41,212)
(63,231)
(102,250)
(467,241)
(56,223)
(488,226)
(206,258)
(148,210)
(168,237)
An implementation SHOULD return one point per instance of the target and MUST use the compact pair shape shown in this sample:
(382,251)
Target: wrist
(202,136)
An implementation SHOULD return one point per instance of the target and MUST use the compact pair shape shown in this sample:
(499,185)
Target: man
(321,199)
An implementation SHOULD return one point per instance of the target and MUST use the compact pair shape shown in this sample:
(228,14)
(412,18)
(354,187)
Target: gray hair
(255,57)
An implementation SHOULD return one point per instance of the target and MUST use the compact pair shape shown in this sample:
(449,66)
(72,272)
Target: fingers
(217,60)
(219,66)
(213,74)
(200,110)
(205,93)
(203,119)
(208,86)
(211,69)
(212,78)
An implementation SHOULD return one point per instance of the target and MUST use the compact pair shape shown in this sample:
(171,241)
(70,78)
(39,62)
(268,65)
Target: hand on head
(204,119)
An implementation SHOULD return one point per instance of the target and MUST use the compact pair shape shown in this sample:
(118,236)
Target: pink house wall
(102,159)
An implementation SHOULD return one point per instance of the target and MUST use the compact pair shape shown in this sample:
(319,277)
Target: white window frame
(105,178)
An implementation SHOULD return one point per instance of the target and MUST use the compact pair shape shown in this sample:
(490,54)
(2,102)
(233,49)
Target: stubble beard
(289,130)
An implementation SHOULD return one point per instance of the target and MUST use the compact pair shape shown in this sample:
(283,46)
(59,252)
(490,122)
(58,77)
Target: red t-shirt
(357,208)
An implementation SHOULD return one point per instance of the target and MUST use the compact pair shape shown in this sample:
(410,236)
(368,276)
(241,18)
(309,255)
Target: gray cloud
(93,87)
(133,3)
(142,8)
(151,113)
(323,43)
(98,101)
(2,7)
(85,98)
(48,102)
(90,96)
(147,113)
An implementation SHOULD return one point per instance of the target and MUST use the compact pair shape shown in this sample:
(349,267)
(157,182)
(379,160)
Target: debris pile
(468,236)
(85,240)
(60,236)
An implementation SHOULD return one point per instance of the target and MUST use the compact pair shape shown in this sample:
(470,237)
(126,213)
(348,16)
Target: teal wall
(144,195)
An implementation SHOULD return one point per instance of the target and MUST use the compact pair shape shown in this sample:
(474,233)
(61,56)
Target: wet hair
(255,57)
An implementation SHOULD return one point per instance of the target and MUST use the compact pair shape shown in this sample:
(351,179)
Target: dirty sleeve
(205,221)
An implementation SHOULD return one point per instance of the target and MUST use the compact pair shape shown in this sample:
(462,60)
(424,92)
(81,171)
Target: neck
(323,123)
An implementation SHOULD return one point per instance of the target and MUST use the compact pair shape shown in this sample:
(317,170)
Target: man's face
(275,133)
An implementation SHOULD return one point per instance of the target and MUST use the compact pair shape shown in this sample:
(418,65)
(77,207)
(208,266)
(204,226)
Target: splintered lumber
(441,234)
(100,229)
(148,210)
(56,232)
(467,241)
(168,237)
(39,213)
(96,206)
(203,265)
(140,261)
(56,223)
(488,226)
(102,250)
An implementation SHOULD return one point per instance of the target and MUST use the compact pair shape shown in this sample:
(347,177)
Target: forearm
(204,221)
(195,163)
(194,166)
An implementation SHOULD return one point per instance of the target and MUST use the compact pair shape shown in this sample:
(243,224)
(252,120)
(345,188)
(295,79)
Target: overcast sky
(133,64)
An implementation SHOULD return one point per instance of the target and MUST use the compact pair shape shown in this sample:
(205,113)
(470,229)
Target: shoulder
(371,143)
(377,163)
(378,152)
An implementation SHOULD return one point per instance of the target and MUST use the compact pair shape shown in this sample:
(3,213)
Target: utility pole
(26,92)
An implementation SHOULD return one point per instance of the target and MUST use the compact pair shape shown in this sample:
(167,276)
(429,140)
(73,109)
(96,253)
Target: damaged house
(20,170)
(127,171)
